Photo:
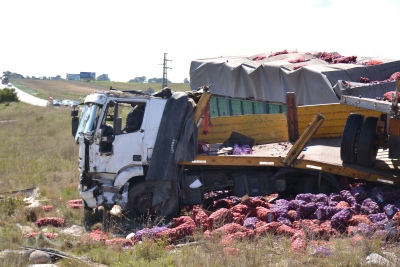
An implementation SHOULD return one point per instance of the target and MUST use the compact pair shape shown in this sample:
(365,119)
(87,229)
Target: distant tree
(12,75)
(138,80)
(154,80)
(17,76)
(8,95)
(157,80)
(58,77)
(103,77)
(186,80)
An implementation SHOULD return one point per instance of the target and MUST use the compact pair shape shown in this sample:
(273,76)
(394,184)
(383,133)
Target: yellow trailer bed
(319,154)
(270,132)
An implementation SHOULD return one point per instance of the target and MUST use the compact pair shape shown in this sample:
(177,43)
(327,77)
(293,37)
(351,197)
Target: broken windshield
(87,123)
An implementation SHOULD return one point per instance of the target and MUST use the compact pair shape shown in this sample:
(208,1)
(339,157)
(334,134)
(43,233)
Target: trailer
(317,150)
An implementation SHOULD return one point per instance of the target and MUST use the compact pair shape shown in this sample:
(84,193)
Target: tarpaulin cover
(176,141)
(312,79)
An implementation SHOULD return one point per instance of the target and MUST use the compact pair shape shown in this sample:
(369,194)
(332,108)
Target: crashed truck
(181,155)
(160,167)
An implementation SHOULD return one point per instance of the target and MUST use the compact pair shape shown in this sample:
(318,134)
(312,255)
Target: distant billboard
(88,75)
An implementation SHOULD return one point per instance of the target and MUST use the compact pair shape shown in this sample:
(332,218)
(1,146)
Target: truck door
(121,139)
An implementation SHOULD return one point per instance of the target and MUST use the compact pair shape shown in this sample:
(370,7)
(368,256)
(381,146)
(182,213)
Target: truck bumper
(108,197)
(88,196)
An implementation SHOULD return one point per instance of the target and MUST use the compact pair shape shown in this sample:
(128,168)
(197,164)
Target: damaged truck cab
(110,156)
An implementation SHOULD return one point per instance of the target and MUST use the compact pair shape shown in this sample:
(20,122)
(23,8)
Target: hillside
(64,89)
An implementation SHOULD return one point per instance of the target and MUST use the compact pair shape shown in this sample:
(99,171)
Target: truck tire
(351,132)
(367,147)
(140,201)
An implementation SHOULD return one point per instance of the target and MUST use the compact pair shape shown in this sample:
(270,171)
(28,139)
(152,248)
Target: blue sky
(126,39)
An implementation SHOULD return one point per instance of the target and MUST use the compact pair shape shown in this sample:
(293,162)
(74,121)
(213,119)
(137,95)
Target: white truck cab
(109,155)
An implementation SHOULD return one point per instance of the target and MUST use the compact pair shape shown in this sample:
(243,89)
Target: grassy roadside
(38,149)
(75,90)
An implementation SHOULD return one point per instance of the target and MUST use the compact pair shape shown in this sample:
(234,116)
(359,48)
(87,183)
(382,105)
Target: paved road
(27,98)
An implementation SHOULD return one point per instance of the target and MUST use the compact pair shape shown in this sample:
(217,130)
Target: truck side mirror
(75,121)
(117,125)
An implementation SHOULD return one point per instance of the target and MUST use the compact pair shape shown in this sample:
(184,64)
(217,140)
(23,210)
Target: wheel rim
(140,199)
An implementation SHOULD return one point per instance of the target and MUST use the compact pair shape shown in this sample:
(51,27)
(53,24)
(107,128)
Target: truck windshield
(87,122)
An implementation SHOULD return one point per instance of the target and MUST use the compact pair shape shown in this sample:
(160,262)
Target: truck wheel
(367,147)
(140,199)
(351,131)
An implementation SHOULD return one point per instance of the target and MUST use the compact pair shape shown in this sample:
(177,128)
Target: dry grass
(64,89)
(267,251)
(38,146)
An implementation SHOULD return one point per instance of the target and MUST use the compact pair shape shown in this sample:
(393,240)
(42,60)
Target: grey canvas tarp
(176,141)
(270,78)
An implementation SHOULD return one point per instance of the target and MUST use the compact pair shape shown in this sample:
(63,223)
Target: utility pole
(165,68)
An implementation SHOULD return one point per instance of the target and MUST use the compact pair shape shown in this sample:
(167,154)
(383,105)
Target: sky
(127,39)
